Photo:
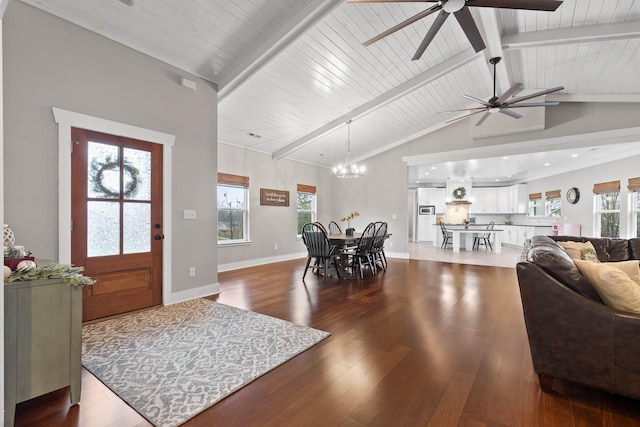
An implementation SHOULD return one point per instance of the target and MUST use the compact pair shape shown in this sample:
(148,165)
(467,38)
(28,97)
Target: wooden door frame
(68,119)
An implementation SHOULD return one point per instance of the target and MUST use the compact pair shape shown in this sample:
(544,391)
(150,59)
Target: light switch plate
(189,214)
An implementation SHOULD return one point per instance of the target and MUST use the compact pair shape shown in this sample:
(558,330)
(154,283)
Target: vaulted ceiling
(291,73)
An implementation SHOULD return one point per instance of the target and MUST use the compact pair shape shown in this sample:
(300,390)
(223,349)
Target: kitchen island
(469,232)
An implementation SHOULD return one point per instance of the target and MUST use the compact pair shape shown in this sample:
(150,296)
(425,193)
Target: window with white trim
(536,208)
(634,204)
(306,206)
(553,205)
(233,209)
(607,199)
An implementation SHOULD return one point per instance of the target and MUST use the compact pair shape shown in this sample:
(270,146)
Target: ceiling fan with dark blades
(460,9)
(504,103)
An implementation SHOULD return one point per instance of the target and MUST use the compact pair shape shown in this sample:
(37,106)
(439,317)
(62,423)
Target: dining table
(344,240)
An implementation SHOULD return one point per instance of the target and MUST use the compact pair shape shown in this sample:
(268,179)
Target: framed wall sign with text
(274,197)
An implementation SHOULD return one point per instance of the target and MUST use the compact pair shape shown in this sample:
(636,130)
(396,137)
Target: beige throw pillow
(614,286)
(579,250)
(631,268)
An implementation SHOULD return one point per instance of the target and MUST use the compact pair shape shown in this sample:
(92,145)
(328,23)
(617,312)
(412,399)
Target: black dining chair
(377,248)
(321,226)
(484,238)
(361,255)
(334,228)
(447,236)
(316,240)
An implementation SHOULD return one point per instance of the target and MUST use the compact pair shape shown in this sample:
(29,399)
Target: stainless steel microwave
(426,210)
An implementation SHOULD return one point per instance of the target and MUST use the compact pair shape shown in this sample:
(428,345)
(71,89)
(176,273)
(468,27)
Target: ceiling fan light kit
(348,169)
(459,9)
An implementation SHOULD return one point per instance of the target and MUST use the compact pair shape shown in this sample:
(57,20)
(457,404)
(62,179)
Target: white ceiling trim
(583,34)
(616,136)
(306,19)
(613,97)
(403,89)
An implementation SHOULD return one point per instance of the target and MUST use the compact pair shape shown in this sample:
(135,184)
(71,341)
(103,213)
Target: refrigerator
(426,223)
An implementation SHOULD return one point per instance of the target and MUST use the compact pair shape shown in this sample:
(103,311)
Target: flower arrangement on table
(349,231)
(349,217)
(459,193)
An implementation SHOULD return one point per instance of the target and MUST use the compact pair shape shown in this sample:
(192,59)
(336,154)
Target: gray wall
(584,179)
(49,62)
(272,225)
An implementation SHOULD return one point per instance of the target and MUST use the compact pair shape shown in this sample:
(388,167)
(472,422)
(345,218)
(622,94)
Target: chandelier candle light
(349,170)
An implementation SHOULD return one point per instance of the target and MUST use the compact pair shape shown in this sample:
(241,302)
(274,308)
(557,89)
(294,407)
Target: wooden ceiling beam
(489,29)
(399,91)
(583,34)
(307,18)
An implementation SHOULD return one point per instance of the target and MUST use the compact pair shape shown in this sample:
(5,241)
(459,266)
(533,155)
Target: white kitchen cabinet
(432,196)
(512,235)
(485,200)
(500,200)
(518,199)
(522,235)
(504,200)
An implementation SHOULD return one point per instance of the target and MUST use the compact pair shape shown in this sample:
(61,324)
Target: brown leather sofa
(573,336)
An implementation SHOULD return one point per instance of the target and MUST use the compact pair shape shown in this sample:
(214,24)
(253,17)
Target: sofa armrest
(571,337)
(626,365)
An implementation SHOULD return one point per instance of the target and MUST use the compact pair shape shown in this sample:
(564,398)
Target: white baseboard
(269,260)
(401,255)
(259,261)
(189,294)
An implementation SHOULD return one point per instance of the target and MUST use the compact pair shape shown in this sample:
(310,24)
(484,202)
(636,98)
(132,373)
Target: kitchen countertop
(477,224)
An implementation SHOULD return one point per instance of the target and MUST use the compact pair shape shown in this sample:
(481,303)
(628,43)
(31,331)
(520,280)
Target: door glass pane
(104,171)
(103,228)
(136,228)
(137,174)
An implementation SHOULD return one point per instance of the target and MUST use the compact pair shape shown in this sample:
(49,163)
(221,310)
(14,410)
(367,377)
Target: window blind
(306,188)
(634,185)
(606,187)
(555,194)
(228,179)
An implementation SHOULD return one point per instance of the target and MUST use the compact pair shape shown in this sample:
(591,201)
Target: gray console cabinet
(42,341)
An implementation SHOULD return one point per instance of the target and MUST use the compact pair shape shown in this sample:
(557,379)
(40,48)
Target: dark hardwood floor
(424,344)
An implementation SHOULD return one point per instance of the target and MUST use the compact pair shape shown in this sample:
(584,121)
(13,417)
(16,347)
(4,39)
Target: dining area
(346,254)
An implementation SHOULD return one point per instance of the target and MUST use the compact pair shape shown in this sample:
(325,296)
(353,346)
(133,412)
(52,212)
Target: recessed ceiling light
(427,173)
(505,158)
(574,155)
(497,179)
(433,167)
(417,182)
(547,164)
(508,176)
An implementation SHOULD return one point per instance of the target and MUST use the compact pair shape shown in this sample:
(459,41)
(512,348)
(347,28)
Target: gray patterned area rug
(173,362)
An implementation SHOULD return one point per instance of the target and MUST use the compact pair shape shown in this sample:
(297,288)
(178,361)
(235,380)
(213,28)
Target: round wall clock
(573,195)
